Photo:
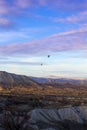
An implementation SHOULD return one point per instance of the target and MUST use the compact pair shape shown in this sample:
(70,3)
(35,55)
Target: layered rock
(73,118)
(53,119)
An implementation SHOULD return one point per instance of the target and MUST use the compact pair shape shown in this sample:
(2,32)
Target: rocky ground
(71,118)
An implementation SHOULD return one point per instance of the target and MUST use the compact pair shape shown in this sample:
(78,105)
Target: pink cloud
(24,3)
(4,8)
(18,7)
(9,6)
(64,4)
(66,41)
(5,22)
(82,16)
(55,4)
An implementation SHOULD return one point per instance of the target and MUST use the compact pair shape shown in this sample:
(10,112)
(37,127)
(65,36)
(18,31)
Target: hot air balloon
(48,56)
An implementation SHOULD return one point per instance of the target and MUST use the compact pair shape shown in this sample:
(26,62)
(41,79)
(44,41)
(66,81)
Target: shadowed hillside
(19,84)
(9,80)
(60,81)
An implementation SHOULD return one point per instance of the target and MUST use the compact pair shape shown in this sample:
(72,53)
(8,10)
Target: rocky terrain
(71,118)
(49,104)
(10,80)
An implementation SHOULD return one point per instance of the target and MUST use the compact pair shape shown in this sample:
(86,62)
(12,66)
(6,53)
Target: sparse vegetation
(23,97)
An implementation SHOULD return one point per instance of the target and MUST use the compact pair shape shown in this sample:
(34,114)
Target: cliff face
(8,80)
(73,118)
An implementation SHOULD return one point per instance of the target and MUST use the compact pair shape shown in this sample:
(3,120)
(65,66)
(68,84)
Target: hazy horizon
(30,30)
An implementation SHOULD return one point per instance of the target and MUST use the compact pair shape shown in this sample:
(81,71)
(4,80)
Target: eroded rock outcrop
(72,118)
(53,119)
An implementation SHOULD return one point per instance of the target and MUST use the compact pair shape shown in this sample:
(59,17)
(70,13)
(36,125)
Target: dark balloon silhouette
(42,63)
(48,56)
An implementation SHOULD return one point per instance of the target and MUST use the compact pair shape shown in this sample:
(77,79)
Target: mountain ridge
(59,80)
(9,80)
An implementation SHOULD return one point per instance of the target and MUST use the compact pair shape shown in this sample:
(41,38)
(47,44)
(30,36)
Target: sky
(30,30)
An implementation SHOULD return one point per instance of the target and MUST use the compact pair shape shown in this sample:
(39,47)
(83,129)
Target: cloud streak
(7,7)
(12,8)
(66,41)
(20,63)
(80,17)
(60,4)
(5,23)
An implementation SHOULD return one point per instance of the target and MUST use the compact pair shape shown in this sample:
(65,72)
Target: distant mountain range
(9,80)
(59,80)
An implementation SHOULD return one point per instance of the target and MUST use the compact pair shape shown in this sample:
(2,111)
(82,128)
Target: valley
(20,95)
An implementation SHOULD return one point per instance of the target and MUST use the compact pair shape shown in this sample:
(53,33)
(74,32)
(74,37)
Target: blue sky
(30,30)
